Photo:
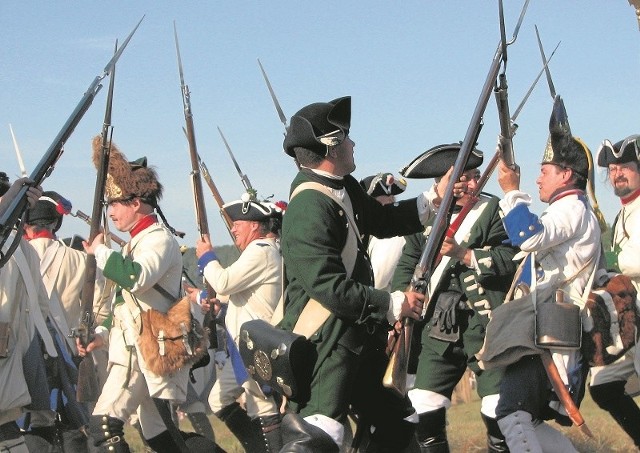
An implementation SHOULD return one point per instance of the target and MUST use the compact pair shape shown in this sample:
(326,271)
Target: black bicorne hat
(383,184)
(49,208)
(318,126)
(562,148)
(436,161)
(627,150)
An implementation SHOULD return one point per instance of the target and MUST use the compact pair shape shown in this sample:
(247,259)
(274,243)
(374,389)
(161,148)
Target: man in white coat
(253,284)
(565,242)
(610,375)
(149,272)
(23,308)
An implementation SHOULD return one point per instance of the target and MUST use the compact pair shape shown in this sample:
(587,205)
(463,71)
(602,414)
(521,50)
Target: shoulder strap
(315,314)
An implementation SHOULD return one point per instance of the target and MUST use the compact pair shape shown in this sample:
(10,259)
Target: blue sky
(413,68)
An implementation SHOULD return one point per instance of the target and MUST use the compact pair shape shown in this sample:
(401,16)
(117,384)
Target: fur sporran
(173,340)
(615,321)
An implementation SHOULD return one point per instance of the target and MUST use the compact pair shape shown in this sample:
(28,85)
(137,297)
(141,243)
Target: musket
(87,219)
(243,177)
(23,171)
(196,184)
(18,204)
(88,389)
(474,196)
(395,377)
(281,115)
(204,171)
(547,360)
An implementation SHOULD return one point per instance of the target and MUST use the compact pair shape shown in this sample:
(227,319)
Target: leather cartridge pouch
(278,359)
(170,341)
(5,334)
(558,324)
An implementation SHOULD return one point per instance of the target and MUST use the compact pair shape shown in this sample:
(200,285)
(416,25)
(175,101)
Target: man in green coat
(471,279)
(325,260)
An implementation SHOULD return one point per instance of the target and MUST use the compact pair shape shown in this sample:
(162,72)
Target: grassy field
(466,431)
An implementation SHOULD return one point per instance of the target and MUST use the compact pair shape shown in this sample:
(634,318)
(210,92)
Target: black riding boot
(107,435)
(612,398)
(271,434)
(298,436)
(249,434)
(432,432)
(201,424)
(495,439)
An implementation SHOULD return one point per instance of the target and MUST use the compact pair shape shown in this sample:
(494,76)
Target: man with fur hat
(565,244)
(471,280)
(384,253)
(63,270)
(330,280)
(615,365)
(148,271)
(253,284)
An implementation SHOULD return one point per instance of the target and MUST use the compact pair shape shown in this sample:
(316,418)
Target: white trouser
(525,436)
(226,391)
(121,403)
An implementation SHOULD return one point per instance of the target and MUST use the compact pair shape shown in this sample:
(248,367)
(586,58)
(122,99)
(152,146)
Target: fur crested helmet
(128,180)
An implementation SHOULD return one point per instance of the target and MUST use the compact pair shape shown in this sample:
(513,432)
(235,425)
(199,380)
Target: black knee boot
(298,436)
(271,434)
(612,398)
(432,432)
(107,434)
(495,439)
(201,424)
(249,434)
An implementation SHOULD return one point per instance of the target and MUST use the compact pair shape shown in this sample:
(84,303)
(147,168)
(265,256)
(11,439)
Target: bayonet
(395,377)
(23,170)
(16,207)
(281,115)
(243,177)
(552,88)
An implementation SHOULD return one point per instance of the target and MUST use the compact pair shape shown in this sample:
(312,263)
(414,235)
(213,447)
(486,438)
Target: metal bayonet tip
(108,68)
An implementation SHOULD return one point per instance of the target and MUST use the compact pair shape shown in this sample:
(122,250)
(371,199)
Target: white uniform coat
(157,253)
(15,308)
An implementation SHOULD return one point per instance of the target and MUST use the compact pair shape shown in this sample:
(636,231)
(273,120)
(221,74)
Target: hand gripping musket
(243,177)
(16,208)
(636,6)
(547,360)
(395,377)
(493,163)
(23,170)
(88,390)
(281,115)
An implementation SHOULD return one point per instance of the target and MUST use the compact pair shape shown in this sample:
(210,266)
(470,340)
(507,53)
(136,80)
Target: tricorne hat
(627,150)
(383,184)
(436,161)
(127,180)
(250,209)
(318,126)
(49,208)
